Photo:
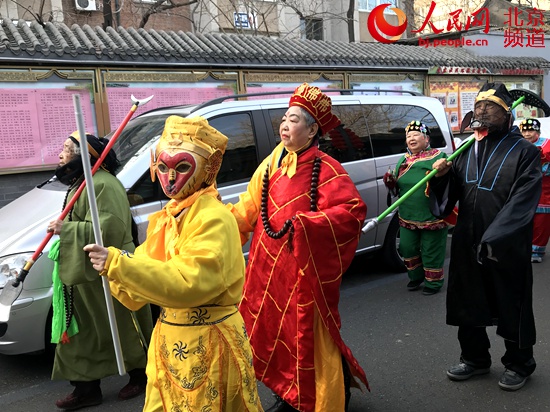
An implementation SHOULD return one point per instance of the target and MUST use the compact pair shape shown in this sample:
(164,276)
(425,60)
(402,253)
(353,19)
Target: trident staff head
(141,102)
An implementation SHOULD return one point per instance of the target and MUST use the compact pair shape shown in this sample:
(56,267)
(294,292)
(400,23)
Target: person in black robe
(497,184)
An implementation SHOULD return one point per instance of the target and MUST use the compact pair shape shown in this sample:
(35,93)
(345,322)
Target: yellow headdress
(195,135)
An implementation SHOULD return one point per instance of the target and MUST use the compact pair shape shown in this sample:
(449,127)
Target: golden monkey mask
(188,156)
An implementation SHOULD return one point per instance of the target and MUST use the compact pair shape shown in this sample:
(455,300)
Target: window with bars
(312,28)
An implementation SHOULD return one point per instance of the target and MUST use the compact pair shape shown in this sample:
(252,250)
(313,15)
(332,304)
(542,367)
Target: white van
(371,140)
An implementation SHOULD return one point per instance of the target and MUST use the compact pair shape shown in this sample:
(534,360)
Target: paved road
(399,337)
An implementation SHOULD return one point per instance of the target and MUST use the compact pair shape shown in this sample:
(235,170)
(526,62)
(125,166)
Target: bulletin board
(457,97)
(36,120)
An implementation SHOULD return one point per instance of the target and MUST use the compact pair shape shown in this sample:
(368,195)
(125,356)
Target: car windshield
(137,134)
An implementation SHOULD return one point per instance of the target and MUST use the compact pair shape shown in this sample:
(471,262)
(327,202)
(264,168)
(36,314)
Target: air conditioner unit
(86,5)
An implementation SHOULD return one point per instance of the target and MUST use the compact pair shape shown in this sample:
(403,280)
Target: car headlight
(10,266)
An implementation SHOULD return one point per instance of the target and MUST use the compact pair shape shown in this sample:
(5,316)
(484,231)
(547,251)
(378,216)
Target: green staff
(374,222)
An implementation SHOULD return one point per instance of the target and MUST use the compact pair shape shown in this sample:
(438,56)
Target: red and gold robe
(294,281)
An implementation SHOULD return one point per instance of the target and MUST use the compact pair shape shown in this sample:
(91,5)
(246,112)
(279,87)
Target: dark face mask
(70,172)
(489,115)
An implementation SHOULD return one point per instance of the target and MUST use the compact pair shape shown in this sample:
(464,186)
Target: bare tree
(269,17)
(329,11)
(162,5)
(282,18)
(351,21)
(410,15)
(37,13)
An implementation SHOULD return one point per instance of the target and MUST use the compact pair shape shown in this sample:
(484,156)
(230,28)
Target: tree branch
(162,5)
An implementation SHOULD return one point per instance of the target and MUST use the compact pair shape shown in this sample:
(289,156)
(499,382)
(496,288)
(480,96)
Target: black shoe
(280,406)
(414,284)
(73,402)
(463,371)
(511,381)
(429,291)
(131,390)
(136,385)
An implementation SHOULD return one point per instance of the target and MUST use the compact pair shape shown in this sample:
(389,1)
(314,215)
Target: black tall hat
(496,93)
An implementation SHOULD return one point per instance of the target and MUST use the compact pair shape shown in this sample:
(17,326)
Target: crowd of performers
(224,324)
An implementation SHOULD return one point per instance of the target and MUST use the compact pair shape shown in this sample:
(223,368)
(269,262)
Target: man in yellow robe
(311,217)
(192,266)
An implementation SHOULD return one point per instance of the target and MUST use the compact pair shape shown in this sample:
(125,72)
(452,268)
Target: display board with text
(457,98)
(36,122)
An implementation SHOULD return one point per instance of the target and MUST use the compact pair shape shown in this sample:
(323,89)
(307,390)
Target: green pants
(423,252)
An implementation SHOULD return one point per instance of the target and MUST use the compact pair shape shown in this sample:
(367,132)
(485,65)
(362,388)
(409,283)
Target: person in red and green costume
(530,129)
(423,237)
(306,217)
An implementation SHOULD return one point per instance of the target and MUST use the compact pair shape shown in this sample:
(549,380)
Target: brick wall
(130,16)
(14,185)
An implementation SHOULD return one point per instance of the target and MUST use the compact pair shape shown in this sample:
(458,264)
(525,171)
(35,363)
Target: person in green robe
(423,237)
(85,352)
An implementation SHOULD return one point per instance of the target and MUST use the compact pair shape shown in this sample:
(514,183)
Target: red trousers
(541,233)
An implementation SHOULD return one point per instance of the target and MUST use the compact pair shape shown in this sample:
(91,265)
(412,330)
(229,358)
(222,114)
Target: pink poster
(36,123)
(20,133)
(288,89)
(57,119)
(260,89)
(120,101)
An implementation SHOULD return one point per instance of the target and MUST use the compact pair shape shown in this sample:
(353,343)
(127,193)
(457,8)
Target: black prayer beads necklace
(313,192)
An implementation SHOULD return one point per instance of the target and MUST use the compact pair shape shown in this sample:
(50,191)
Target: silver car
(370,141)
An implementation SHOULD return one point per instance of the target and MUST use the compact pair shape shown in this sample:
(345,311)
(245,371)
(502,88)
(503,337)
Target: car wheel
(390,250)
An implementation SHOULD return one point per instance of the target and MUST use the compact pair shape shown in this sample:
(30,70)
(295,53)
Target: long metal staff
(371,224)
(12,290)
(97,229)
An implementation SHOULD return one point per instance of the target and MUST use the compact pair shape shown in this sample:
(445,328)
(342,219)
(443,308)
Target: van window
(276,115)
(241,158)
(349,141)
(137,135)
(145,191)
(386,124)
(345,143)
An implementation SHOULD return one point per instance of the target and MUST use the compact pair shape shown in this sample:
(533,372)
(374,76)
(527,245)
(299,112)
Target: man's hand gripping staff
(440,168)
